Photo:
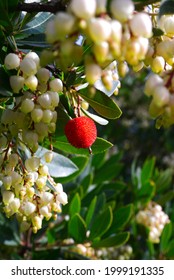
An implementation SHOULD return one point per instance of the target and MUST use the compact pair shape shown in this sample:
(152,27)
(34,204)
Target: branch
(140,6)
(53,6)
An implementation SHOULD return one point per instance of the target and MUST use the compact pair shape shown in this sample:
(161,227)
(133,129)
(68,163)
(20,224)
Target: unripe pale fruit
(44,100)
(47,116)
(37,115)
(169,25)
(152,81)
(29,208)
(43,75)
(99,29)
(16,83)
(16,178)
(28,66)
(101,6)
(41,182)
(56,85)
(12,61)
(50,33)
(37,222)
(158,64)
(64,25)
(27,106)
(116,30)
(84,9)
(7,182)
(62,198)
(81,132)
(13,160)
(14,205)
(101,51)
(122,10)
(7,197)
(47,197)
(32,164)
(43,170)
(54,98)
(58,188)
(33,56)
(161,96)
(141,25)
(48,156)
(93,73)
(44,211)
(31,82)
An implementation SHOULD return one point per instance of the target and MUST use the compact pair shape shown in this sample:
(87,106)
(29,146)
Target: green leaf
(96,118)
(114,241)
(102,104)
(166,8)
(165,237)
(37,24)
(170,252)
(75,205)
(146,192)
(80,162)
(121,217)
(147,170)
(86,182)
(99,146)
(109,170)
(60,166)
(77,228)
(91,210)
(99,227)
(164,180)
(166,197)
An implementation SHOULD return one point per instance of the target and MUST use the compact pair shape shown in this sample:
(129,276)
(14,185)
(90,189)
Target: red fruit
(81,132)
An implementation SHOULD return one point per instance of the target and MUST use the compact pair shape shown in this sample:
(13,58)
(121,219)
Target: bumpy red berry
(81,132)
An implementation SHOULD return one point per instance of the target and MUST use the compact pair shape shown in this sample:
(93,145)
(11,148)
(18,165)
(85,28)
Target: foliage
(110,183)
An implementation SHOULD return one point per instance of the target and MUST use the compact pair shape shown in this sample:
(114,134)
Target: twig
(52,6)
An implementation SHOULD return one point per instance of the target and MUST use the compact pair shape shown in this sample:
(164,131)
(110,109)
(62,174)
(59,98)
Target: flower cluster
(25,178)
(121,36)
(154,219)
(160,84)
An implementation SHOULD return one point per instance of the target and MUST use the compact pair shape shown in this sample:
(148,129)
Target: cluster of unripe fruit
(122,253)
(34,115)
(160,85)
(154,219)
(122,36)
(25,192)
(24,177)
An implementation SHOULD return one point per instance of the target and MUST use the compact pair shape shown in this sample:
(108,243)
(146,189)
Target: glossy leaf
(91,210)
(147,170)
(166,8)
(122,216)
(99,146)
(99,228)
(75,205)
(37,24)
(96,118)
(102,104)
(113,241)
(165,237)
(60,166)
(146,192)
(77,228)
(80,162)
